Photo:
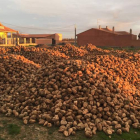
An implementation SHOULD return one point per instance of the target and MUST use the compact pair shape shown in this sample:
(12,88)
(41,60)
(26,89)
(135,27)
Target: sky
(61,16)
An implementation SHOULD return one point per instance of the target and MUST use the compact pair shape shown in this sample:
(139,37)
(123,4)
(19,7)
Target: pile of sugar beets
(84,88)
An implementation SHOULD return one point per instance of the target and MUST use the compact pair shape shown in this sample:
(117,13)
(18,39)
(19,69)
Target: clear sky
(59,16)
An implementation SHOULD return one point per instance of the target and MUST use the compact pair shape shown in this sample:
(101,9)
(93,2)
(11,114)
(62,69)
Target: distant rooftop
(34,35)
(6,29)
(111,31)
(118,32)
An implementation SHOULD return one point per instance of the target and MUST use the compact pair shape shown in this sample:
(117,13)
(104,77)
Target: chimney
(113,29)
(130,31)
(99,27)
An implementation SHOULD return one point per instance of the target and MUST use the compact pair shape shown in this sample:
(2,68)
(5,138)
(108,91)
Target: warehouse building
(107,37)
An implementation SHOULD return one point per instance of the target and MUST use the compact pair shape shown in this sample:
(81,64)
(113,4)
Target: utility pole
(75,34)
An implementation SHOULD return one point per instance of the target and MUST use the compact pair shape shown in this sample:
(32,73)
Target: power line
(45,28)
(38,28)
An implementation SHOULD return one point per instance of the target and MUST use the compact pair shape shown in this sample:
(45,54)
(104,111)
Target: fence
(16,41)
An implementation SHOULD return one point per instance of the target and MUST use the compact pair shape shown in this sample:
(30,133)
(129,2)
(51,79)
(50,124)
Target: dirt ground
(12,128)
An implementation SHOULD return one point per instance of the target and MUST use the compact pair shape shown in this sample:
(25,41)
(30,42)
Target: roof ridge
(109,31)
(1,24)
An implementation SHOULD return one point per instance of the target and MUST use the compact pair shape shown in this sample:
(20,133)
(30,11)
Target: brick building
(107,37)
(29,39)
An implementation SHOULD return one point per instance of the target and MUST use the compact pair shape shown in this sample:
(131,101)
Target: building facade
(35,39)
(107,37)
(6,35)
(10,37)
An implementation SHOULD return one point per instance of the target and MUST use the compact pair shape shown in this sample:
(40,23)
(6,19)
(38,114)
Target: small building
(6,36)
(107,37)
(35,39)
(10,37)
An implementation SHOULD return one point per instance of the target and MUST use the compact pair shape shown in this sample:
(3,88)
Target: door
(53,41)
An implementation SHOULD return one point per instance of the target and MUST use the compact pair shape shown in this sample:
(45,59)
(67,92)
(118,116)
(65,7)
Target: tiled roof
(118,32)
(34,35)
(6,29)
(123,32)
(107,29)
(110,31)
(102,29)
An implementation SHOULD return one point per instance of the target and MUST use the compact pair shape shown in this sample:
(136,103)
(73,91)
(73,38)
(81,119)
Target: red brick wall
(43,41)
(102,38)
(136,43)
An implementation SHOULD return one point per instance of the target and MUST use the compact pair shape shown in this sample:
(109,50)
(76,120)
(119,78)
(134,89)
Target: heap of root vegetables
(84,88)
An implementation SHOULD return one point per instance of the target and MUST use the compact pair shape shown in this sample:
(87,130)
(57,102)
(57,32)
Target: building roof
(107,29)
(102,29)
(34,35)
(6,29)
(123,32)
(110,31)
(117,32)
